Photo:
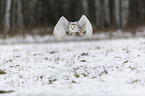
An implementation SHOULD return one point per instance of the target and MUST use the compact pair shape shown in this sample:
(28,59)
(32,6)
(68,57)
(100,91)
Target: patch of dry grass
(2,72)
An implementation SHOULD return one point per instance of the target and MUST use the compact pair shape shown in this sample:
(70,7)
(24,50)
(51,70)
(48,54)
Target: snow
(50,38)
(74,68)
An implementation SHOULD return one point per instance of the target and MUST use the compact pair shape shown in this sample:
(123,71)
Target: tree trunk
(2,13)
(124,12)
(7,17)
(32,6)
(102,15)
(19,14)
(107,12)
(14,15)
(98,12)
(117,13)
(85,7)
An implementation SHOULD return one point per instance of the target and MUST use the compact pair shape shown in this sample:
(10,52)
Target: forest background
(40,16)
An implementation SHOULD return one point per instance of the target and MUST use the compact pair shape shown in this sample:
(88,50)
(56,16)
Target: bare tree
(124,12)
(85,7)
(2,7)
(7,17)
(98,12)
(14,14)
(19,14)
(107,12)
(32,7)
(28,14)
(102,14)
(117,13)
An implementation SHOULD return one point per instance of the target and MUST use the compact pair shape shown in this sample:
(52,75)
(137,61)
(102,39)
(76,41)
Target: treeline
(20,15)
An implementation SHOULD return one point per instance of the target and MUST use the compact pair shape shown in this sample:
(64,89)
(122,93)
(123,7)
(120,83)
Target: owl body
(63,26)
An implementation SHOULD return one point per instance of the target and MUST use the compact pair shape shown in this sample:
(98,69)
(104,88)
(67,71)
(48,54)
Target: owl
(63,26)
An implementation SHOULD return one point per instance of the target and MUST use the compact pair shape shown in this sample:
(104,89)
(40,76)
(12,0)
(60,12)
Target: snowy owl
(81,26)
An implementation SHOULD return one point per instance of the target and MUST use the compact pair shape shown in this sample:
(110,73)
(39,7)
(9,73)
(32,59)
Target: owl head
(73,27)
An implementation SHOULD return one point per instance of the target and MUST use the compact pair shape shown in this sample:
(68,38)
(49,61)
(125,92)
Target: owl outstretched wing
(86,26)
(60,28)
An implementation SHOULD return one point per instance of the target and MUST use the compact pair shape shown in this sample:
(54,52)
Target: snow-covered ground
(74,68)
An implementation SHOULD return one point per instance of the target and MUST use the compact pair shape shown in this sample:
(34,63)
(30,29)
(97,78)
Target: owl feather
(86,26)
(62,27)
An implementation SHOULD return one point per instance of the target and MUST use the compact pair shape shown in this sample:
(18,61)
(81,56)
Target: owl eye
(74,26)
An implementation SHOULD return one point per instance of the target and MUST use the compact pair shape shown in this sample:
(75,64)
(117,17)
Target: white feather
(61,28)
(86,25)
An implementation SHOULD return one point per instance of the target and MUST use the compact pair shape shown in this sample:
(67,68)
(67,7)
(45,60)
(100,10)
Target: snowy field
(74,68)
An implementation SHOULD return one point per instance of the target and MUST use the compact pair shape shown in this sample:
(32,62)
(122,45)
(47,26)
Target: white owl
(81,26)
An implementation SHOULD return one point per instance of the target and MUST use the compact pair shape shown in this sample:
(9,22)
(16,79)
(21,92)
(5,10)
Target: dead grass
(2,72)
(3,92)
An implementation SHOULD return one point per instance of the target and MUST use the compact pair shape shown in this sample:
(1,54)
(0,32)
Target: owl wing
(60,28)
(86,26)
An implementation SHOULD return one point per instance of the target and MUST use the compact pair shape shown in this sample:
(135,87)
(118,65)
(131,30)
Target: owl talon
(74,34)
(90,38)
(81,33)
